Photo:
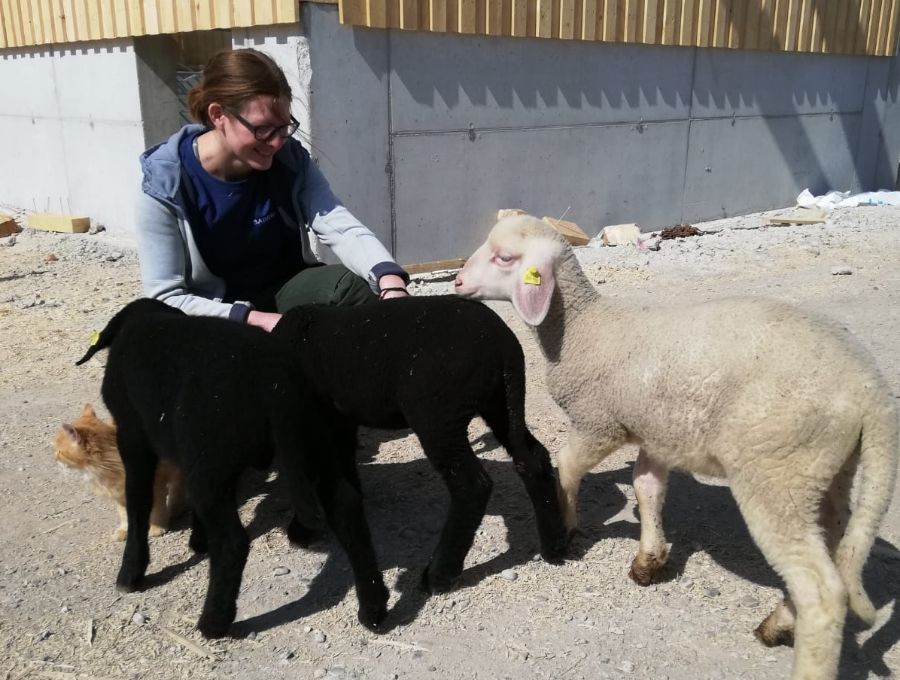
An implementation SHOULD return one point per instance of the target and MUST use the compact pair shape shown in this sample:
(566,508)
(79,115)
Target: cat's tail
(141,307)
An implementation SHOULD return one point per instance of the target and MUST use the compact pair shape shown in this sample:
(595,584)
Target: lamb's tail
(139,307)
(879,446)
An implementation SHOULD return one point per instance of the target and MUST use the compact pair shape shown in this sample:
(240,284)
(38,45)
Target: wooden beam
(648,30)
(434,266)
(569,230)
(589,19)
(62,223)
(610,20)
(566,19)
(544,27)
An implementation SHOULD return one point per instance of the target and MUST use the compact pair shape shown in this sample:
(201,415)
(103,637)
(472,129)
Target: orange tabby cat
(89,444)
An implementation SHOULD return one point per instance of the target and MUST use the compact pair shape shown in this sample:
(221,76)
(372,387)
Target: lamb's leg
(449,452)
(532,464)
(344,436)
(344,513)
(228,550)
(197,542)
(650,480)
(780,514)
(331,456)
(140,466)
(834,513)
(575,460)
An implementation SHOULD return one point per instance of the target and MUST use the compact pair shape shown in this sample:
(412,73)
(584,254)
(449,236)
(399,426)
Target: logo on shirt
(259,221)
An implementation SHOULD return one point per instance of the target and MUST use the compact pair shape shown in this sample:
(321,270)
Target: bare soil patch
(512,616)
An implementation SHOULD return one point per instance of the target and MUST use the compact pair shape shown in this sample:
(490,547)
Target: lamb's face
(516,263)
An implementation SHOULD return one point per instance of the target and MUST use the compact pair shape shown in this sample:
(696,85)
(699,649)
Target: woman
(226,207)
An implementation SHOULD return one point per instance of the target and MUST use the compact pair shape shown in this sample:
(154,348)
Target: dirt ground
(512,616)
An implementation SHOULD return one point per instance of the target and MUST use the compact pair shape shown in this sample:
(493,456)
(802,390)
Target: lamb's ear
(534,290)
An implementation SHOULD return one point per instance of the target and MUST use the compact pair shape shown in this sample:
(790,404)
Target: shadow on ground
(406,505)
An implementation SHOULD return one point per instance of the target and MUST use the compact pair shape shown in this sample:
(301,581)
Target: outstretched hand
(265,320)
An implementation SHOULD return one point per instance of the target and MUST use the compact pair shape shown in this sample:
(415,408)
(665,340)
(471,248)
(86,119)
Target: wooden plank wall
(41,22)
(828,26)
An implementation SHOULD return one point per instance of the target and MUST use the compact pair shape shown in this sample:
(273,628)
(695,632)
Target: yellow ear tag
(532,276)
(95,337)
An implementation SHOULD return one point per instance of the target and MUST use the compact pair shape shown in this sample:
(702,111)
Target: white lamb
(783,404)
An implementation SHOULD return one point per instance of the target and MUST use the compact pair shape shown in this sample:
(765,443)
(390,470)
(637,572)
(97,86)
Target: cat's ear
(88,411)
(72,432)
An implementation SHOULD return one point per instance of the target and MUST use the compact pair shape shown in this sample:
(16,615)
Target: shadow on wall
(551,83)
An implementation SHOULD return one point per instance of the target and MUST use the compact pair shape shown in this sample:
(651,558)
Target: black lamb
(431,364)
(217,397)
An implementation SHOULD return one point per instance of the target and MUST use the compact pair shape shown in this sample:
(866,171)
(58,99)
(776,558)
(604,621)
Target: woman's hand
(265,320)
(391,286)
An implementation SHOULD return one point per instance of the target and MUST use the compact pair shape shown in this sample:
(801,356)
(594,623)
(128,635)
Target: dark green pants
(329,284)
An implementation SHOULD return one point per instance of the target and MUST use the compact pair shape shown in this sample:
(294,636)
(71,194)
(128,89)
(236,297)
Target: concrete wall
(430,134)
(71,128)
(424,136)
(81,116)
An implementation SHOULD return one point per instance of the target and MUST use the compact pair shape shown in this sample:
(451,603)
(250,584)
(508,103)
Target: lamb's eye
(503,258)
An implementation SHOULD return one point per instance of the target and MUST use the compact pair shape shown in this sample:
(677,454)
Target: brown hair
(234,77)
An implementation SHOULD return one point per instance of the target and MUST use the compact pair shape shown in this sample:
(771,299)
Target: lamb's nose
(457,281)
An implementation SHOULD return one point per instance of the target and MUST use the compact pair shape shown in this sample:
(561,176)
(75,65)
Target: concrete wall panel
(97,81)
(73,132)
(753,164)
(32,165)
(30,74)
(447,82)
(104,184)
(350,116)
(876,164)
(449,188)
(752,83)
(602,132)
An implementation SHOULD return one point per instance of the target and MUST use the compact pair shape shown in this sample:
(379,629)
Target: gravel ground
(512,616)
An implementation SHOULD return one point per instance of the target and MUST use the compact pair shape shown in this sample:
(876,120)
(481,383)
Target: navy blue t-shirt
(239,231)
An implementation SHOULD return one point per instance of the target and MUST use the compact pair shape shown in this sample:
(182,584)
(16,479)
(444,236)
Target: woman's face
(248,152)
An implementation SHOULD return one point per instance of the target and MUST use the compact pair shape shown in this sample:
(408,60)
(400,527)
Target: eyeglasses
(264,133)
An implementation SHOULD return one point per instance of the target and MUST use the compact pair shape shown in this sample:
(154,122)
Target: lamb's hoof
(373,617)
(301,536)
(197,542)
(435,584)
(213,627)
(773,636)
(156,531)
(127,584)
(120,534)
(645,570)
(556,553)
(572,535)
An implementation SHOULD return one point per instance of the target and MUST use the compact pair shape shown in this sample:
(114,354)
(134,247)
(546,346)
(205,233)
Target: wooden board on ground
(570,231)
(62,223)
(8,225)
(800,216)
(434,266)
